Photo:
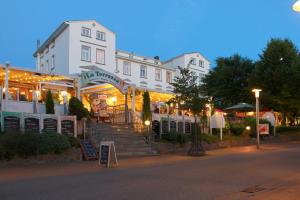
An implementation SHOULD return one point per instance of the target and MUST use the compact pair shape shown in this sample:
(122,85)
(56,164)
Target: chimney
(38,44)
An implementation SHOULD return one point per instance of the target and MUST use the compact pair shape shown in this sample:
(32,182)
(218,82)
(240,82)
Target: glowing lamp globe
(296,6)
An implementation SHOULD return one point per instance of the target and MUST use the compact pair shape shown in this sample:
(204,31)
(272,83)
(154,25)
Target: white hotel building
(76,45)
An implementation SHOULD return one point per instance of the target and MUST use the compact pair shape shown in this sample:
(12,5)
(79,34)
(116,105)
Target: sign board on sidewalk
(264,129)
(107,154)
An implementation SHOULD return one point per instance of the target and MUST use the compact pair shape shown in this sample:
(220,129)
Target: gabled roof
(184,55)
(60,29)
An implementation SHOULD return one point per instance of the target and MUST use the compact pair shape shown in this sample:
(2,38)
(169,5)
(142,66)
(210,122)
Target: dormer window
(100,35)
(86,32)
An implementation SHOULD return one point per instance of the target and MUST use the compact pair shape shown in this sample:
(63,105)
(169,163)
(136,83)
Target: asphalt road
(222,174)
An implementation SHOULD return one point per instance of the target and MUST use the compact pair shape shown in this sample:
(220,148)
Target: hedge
(29,144)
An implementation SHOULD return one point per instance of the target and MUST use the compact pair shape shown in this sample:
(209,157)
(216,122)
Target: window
(158,74)
(100,35)
(47,66)
(100,56)
(126,68)
(143,71)
(201,63)
(85,53)
(42,68)
(193,61)
(86,32)
(201,76)
(169,77)
(52,62)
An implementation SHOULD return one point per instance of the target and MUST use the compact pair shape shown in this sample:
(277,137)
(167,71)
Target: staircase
(128,143)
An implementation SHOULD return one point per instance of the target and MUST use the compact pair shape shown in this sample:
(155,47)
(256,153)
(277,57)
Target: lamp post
(296,6)
(114,100)
(256,92)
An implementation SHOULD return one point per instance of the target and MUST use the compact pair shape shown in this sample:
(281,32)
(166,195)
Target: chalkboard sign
(180,127)
(107,154)
(156,127)
(165,126)
(11,123)
(67,127)
(50,125)
(104,154)
(32,125)
(187,127)
(88,150)
(173,126)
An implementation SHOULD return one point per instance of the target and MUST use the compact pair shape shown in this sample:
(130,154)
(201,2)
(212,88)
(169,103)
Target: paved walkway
(222,174)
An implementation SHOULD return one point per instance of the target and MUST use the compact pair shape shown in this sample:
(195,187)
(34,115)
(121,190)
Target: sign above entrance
(102,76)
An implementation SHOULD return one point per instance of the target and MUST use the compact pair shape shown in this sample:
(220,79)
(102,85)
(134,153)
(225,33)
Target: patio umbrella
(240,107)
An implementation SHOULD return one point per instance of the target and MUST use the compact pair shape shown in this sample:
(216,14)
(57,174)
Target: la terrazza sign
(101,76)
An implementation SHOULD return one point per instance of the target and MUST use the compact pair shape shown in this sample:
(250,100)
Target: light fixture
(114,99)
(296,6)
(248,128)
(147,122)
(256,91)
(64,93)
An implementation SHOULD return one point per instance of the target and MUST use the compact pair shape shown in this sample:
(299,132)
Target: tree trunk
(196,148)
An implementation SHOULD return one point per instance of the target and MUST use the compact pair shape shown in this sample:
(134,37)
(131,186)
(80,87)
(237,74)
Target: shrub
(76,108)
(283,129)
(74,142)
(175,137)
(49,103)
(237,129)
(209,138)
(53,143)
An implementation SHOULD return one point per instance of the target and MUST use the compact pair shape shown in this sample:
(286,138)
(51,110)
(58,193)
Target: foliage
(175,137)
(227,83)
(49,103)
(25,145)
(210,138)
(237,129)
(188,93)
(287,129)
(147,115)
(76,108)
(53,143)
(74,142)
(278,74)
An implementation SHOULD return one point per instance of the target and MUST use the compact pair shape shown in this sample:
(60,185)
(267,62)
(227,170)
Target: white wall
(27,107)
(77,40)
(60,50)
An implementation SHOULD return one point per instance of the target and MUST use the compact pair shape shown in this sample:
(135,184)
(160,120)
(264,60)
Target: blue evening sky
(155,27)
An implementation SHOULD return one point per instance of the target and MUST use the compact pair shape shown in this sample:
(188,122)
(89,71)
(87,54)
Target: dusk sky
(157,27)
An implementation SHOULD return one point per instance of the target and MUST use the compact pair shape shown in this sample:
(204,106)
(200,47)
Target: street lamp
(296,6)
(256,92)
(64,95)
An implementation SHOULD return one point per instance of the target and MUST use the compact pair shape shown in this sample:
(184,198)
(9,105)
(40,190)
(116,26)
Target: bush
(210,138)
(175,137)
(76,108)
(74,142)
(286,129)
(237,129)
(25,145)
(53,143)
(49,103)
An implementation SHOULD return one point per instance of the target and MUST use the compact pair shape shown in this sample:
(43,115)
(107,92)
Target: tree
(277,74)
(227,83)
(76,108)
(49,103)
(188,96)
(147,115)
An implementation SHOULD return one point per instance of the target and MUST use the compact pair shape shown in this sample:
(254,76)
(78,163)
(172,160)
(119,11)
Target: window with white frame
(100,35)
(42,68)
(201,63)
(158,74)
(86,32)
(143,71)
(47,66)
(193,61)
(126,68)
(100,56)
(85,53)
(169,77)
(52,62)
(201,76)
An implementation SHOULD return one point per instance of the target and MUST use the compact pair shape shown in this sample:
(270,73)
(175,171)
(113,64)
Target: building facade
(77,44)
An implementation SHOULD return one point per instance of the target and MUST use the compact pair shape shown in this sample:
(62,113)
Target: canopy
(240,107)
